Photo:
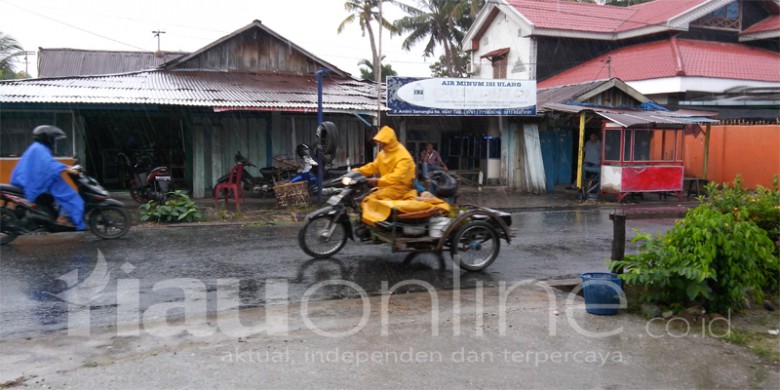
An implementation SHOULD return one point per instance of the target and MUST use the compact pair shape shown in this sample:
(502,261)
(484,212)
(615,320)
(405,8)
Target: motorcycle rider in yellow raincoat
(396,170)
(394,186)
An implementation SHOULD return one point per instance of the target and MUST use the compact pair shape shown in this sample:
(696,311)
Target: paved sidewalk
(498,197)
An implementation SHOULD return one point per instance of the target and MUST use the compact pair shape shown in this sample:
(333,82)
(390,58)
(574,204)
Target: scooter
(106,217)
(472,236)
(146,185)
(309,172)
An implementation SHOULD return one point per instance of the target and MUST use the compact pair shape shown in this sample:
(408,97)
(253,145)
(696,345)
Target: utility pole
(378,71)
(157,34)
(27,61)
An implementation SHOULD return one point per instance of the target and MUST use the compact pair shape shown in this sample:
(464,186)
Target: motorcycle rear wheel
(137,196)
(8,221)
(315,241)
(109,222)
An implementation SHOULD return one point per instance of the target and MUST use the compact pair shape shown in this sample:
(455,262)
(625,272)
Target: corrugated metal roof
(75,62)
(675,57)
(650,118)
(284,92)
(638,118)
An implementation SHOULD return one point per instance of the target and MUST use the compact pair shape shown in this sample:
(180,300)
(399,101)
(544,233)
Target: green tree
(365,13)
(368,74)
(9,50)
(440,23)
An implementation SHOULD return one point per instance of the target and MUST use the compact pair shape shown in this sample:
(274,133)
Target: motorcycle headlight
(347,181)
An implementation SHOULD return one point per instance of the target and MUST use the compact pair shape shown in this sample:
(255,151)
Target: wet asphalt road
(50,282)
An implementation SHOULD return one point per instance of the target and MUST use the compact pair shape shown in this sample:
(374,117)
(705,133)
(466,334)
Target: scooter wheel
(109,222)
(8,222)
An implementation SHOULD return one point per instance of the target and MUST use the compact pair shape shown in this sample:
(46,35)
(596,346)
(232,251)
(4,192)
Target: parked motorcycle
(309,172)
(262,184)
(106,217)
(472,236)
(148,185)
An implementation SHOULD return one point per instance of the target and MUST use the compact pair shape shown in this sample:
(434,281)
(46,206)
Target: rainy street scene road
(79,312)
(41,274)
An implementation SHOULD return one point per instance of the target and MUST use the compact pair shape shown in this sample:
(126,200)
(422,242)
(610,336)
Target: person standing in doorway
(591,162)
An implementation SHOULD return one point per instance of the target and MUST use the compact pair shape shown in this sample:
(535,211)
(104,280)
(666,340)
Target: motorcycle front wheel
(322,237)
(109,222)
(8,222)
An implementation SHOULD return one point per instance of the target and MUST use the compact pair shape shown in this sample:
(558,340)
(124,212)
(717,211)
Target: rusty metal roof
(75,62)
(217,90)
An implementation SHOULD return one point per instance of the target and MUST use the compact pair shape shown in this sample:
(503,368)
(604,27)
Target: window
(499,59)
(16,131)
(499,67)
(612,145)
(725,18)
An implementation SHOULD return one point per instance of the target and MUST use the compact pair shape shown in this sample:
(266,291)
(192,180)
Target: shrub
(178,208)
(762,206)
(710,258)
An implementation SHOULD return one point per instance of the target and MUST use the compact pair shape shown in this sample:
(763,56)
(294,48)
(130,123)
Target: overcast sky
(192,24)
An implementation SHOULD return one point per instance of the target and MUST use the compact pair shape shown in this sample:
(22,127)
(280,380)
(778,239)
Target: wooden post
(579,149)
(706,158)
(618,238)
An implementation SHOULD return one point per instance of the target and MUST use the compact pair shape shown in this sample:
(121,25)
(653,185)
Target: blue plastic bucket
(603,293)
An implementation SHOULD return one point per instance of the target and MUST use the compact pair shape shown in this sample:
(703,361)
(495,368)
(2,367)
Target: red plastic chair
(233,184)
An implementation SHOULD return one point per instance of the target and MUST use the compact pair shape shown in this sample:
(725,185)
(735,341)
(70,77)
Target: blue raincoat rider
(38,173)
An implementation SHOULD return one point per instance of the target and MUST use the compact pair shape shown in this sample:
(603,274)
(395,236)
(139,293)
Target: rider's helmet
(302,150)
(48,135)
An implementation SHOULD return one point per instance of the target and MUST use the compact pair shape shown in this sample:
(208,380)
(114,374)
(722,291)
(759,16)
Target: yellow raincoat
(396,170)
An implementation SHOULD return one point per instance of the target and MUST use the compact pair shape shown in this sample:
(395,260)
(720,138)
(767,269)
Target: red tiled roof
(675,57)
(771,23)
(589,17)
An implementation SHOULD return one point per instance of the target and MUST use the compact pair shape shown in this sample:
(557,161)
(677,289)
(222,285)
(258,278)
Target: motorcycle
(106,217)
(472,236)
(308,172)
(148,185)
(263,184)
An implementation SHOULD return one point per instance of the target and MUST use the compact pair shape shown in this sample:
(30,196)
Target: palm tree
(365,12)
(9,49)
(368,74)
(443,23)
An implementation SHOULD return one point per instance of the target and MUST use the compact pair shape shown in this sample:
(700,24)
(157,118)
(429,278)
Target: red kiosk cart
(641,159)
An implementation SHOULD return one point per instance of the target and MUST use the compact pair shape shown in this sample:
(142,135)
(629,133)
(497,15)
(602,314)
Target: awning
(632,118)
(495,53)
(654,119)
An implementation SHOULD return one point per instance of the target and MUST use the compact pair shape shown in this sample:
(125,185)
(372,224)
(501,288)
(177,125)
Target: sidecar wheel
(109,222)
(8,222)
(313,238)
(475,246)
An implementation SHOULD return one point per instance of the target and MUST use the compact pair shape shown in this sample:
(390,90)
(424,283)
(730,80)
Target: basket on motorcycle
(292,194)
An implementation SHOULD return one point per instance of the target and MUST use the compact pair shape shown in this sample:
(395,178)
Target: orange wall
(753,152)
(7,166)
